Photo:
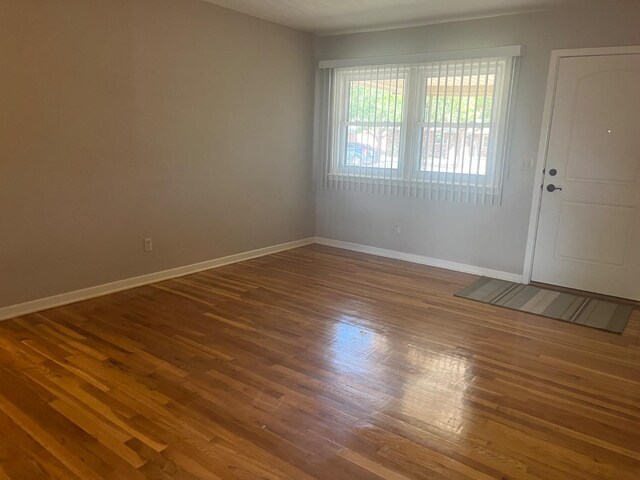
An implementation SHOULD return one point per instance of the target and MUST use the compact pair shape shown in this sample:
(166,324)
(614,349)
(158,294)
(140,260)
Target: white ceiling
(338,16)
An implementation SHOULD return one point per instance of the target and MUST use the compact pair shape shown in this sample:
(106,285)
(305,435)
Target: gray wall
(489,237)
(125,119)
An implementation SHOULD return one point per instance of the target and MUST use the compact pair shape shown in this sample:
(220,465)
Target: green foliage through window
(458,109)
(375,102)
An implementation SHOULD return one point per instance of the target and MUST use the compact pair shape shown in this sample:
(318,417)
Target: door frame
(543,147)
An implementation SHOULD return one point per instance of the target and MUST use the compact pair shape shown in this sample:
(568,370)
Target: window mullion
(395,122)
(412,104)
(422,120)
(343,103)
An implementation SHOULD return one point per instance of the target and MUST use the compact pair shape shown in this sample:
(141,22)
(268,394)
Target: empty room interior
(334,240)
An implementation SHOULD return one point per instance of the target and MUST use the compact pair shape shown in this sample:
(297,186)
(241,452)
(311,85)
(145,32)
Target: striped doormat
(591,312)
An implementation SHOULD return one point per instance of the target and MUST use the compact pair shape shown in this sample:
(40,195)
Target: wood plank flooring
(315,363)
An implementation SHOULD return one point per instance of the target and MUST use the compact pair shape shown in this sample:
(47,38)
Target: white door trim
(543,147)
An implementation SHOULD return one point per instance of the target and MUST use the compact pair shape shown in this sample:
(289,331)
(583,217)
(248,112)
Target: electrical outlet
(148,244)
(397,227)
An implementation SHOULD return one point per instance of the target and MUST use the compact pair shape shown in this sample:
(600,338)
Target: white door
(589,227)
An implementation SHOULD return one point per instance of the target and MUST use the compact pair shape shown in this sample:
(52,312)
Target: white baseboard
(432,262)
(100,290)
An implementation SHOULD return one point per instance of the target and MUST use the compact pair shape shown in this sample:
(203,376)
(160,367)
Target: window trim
(427,57)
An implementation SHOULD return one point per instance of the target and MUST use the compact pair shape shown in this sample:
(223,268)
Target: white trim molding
(511,51)
(422,260)
(545,133)
(38,305)
(120,285)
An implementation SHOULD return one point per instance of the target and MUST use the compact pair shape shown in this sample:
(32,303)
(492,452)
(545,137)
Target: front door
(588,234)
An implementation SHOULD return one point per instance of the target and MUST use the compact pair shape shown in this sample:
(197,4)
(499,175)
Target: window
(431,129)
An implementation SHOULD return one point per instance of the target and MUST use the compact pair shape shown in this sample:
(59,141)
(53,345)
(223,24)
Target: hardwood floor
(314,363)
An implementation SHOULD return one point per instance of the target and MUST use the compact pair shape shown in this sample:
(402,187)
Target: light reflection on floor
(357,349)
(433,393)
(437,394)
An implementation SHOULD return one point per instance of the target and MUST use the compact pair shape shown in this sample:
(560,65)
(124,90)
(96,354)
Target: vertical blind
(432,130)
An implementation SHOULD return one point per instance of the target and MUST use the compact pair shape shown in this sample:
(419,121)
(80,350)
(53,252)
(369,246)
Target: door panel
(589,230)
(605,113)
(608,245)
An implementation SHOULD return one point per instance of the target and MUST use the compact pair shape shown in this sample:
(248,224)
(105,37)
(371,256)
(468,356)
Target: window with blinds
(432,129)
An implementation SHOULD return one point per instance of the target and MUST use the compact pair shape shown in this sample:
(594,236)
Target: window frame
(413,124)
(339,166)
